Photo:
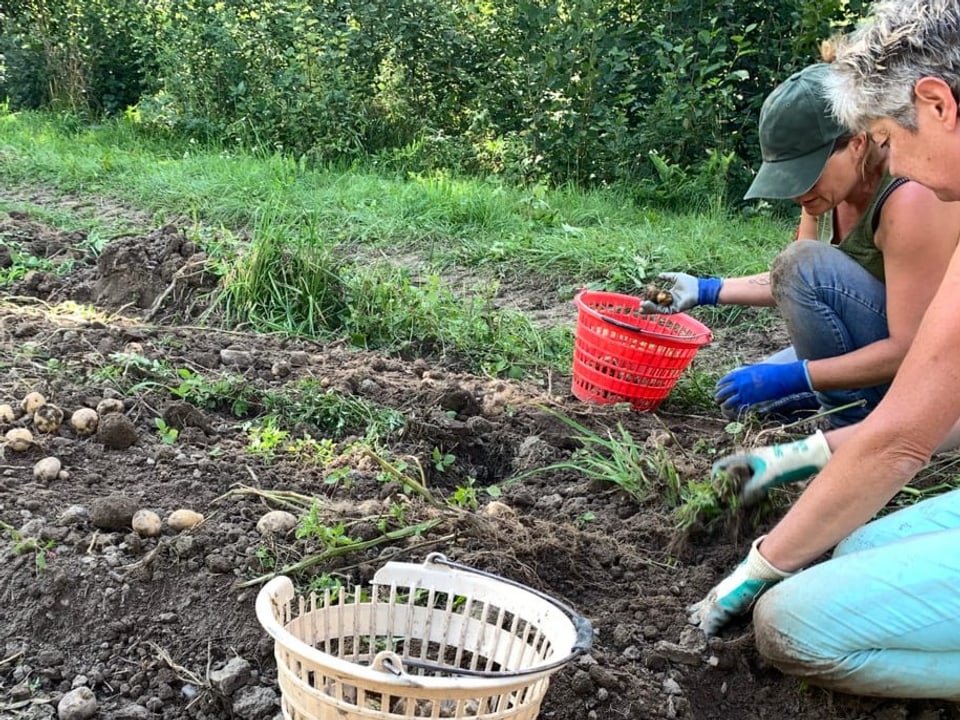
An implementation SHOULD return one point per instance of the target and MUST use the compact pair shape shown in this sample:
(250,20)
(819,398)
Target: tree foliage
(646,92)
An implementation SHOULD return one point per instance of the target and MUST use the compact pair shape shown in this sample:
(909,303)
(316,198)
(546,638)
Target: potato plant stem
(420,487)
(340,550)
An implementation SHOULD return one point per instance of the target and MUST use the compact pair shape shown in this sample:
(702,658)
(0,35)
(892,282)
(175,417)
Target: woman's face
(931,153)
(839,180)
(919,155)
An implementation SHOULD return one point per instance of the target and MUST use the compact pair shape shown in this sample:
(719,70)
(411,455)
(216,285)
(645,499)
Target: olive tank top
(859,243)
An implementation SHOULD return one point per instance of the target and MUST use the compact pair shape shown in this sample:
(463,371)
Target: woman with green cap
(879,615)
(870,252)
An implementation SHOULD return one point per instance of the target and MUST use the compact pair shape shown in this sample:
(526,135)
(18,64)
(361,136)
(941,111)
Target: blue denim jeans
(831,306)
(882,616)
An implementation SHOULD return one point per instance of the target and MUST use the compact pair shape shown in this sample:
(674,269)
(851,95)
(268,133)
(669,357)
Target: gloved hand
(775,465)
(688,292)
(752,384)
(736,594)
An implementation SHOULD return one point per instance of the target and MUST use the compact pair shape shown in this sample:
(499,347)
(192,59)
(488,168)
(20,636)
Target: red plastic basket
(621,355)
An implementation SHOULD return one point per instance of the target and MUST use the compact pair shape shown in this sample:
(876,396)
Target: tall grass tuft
(616,458)
(286,281)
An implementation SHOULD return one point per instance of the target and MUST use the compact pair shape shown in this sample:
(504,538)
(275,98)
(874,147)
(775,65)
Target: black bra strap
(875,222)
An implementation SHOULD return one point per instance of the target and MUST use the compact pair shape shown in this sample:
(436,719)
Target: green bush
(591,92)
(77,55)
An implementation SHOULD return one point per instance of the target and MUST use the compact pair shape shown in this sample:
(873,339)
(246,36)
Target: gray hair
(877,66)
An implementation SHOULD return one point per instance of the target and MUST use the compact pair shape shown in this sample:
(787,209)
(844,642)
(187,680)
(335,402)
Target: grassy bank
(326,223)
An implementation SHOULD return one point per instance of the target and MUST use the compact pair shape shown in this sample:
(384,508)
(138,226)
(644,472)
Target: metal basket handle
(581,624)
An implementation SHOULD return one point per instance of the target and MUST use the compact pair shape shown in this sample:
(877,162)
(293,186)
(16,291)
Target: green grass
(575,234)
(313,250)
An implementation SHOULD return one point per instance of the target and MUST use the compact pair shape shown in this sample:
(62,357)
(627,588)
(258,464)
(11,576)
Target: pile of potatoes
(47,418)
(146,523)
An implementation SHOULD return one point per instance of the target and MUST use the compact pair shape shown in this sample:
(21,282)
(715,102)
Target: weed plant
(644,472)
(618,459)
(22,263)
(309,402)
(286,281)
(41,549)
(389,309)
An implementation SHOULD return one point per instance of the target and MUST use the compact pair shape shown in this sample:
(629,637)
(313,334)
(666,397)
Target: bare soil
(148,624)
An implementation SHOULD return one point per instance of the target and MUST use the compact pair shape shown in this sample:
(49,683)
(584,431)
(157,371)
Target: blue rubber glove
(736,594)
(771,466)
(687,291)
(740,389)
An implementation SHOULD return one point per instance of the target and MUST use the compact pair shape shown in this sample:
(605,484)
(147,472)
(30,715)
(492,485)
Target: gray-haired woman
(880,616)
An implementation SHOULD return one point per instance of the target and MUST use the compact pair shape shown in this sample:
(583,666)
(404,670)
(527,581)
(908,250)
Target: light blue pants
(882,616)
(831,306)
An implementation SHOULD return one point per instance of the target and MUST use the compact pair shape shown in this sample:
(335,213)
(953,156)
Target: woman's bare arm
(917,234)
(887,449)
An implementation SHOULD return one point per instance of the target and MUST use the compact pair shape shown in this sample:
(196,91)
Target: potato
(657,295)
(31,401)
(19,439)
(48,418)
(47,469)
(184,519)
(146,523)
(84,421)
(7,415)
(276,522)
(109,405)
(498,509)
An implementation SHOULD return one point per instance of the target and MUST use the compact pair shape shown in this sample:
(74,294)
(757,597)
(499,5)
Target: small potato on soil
(109,405)
(84,421)
(47,469)
(184,519)
(7,415)
(497,509)
(276,522)
(19,439)
(31,401)
(146,523)
(48,418)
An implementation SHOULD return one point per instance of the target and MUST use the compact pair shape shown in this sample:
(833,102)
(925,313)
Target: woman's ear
(934,97)
(860,143)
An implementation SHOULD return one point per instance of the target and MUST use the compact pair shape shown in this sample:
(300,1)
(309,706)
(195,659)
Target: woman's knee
(773,643)
(787,644)
(796,265)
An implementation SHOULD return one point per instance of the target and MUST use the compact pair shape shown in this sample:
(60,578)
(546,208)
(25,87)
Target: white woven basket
(437,640)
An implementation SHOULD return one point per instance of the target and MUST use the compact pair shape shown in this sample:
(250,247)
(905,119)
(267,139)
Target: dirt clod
(113,512)
(115,430)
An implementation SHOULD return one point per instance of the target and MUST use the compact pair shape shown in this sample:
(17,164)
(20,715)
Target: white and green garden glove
(736,594)
(775,465)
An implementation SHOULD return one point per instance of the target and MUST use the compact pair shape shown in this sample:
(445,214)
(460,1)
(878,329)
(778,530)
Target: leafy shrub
(77,55)
(592,92)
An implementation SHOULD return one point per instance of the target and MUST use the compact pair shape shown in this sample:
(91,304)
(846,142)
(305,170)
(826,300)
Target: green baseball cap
(797,133)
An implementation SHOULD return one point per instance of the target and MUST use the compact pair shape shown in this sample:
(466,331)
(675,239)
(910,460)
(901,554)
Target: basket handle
(617,322)
(621,324)
(388,661)
(582,625)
